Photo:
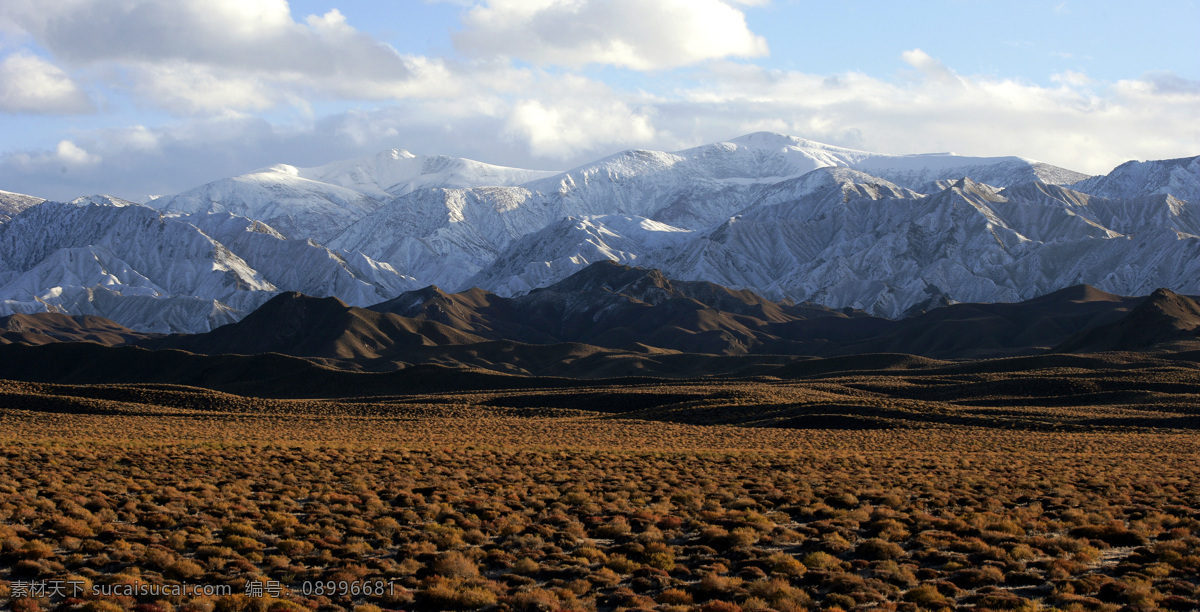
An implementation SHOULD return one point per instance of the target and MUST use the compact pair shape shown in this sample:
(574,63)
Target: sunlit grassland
(866,492)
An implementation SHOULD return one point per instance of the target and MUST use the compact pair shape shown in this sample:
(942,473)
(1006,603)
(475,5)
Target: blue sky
(139,97)
(1018,38)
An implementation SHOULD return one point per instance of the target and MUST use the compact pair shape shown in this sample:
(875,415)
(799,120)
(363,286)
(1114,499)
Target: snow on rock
(101,200)
(60,257)
(396,172)
(319,202)
(781,215)
(11,204)
(563,248)
(449,235)
(296,206)
(1177,177)
(970,242)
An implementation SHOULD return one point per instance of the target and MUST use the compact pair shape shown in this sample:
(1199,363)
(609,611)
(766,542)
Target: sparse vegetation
(522,500)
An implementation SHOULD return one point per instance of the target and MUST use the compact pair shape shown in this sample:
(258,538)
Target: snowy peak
(101,200)
(973,189)
(923,172)
(396,172)
(278,195)
(765,154)
(785,217)
(826,186)
(320,202)
(1177,177)
(11,204)
(773,140)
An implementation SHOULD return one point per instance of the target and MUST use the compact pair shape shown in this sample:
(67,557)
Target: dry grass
(609,498)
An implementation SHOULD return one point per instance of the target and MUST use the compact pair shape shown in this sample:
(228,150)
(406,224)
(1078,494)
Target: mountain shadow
(1163,318)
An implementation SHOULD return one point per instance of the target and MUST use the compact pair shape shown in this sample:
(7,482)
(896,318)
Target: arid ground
(887,483)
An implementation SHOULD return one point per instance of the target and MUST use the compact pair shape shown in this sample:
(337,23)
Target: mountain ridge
(782,216)
(1163,317)
(609,307)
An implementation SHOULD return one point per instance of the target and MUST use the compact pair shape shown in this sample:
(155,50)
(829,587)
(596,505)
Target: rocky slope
(12,204)
(1132,179)
(893,235)
(151,272)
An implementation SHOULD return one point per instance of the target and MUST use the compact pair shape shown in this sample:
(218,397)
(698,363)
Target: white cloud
(1070,78)
(67,157)
(561,131)
(70,153)
(561,117)
(210,56)
(137,138)
(932,68)
(249,35)
(188,88)
(30,84)
(1078,124)
(637,34)
(534,118)
(1169,84)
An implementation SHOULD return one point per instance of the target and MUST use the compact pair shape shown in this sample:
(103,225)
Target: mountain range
(786,218)
(614,320)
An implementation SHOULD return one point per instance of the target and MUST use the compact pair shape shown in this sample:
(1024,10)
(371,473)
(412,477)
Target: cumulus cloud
(135,162)
(30,84)
(66,162)
(1078,124)
(563,130)
(188,88)
(540,119)
(250,35)
(573,115)
(637,34)
(1168,83)
(205,56)
(68,152)
(932,68)
(1071,78)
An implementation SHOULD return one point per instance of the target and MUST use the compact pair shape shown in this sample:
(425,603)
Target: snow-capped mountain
(563,248)
(396,172)
(453,234)
(152,272)
(1178,177)
(840,237)
(782,216)
(279,196)
(445,235)
(970,242)
(12,204)
(319,202)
